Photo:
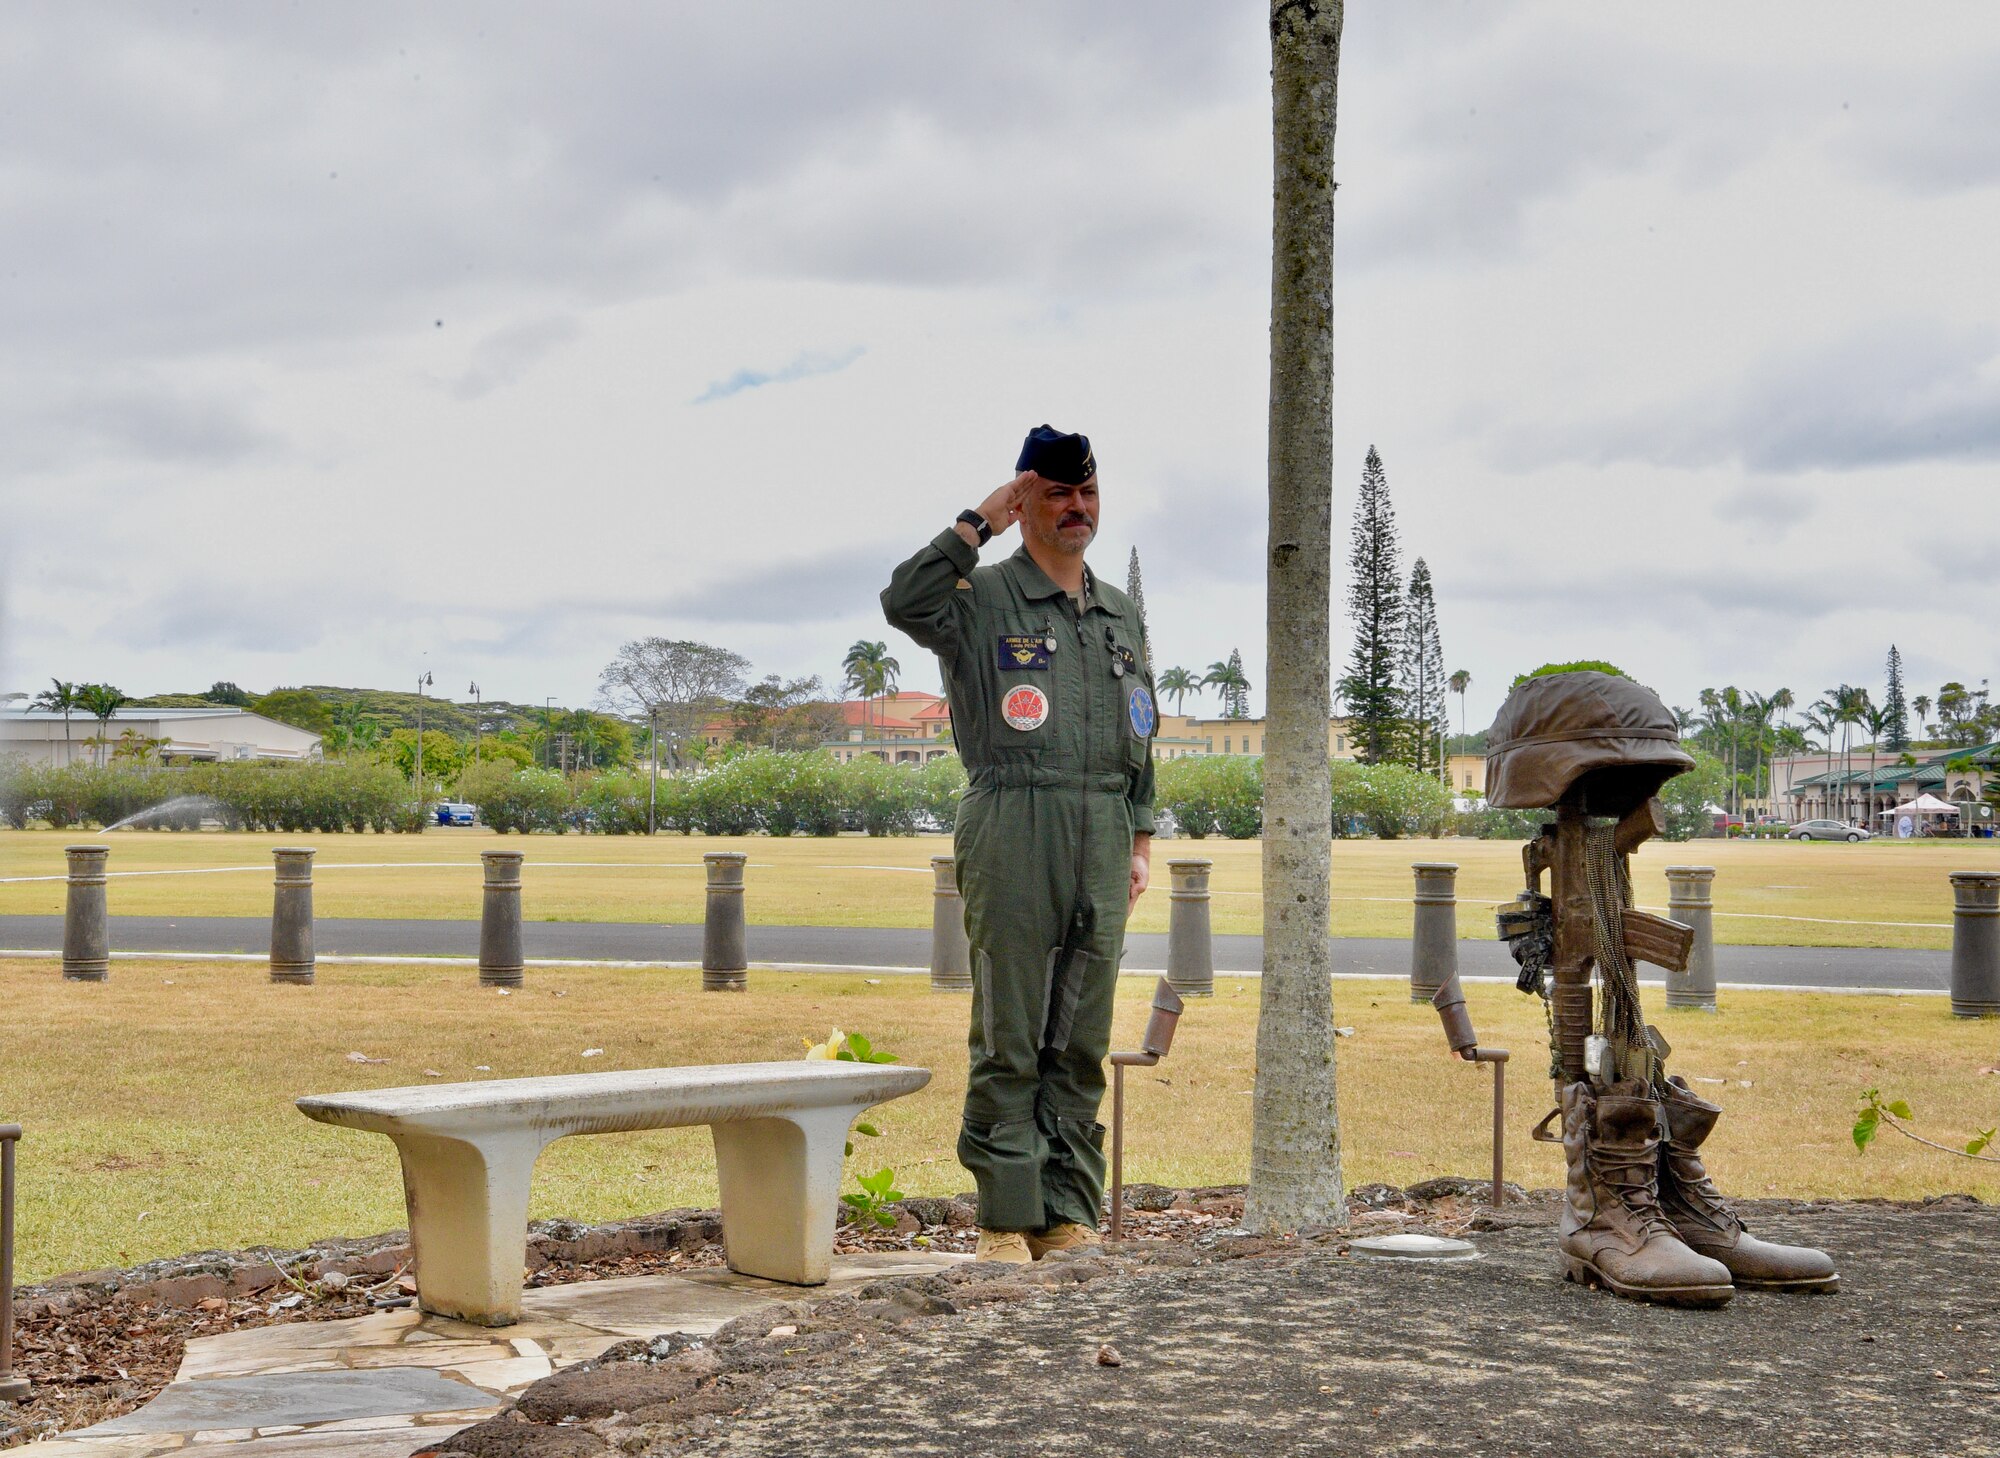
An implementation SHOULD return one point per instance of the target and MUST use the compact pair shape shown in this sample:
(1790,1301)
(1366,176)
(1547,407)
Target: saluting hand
(1003,508)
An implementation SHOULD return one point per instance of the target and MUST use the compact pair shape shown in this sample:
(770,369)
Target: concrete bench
(469,1150)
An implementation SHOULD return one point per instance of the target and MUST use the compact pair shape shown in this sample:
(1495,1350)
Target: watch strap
(978,523)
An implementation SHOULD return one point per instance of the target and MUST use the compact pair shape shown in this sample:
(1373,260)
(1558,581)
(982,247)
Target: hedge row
(1223,795)
(773,792)
(333,796)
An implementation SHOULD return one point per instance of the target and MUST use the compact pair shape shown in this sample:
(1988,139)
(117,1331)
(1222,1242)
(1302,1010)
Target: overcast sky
(345,340)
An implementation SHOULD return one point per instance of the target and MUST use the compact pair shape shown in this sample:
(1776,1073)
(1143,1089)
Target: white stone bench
(469,1149)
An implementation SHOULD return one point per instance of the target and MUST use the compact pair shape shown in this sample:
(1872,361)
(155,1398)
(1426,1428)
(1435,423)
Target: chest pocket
(1024,670)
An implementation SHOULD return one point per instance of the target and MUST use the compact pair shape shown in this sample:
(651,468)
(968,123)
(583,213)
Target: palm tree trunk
(1295,1138)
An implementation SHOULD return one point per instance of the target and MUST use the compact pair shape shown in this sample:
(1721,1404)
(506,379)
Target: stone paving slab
(378,1386)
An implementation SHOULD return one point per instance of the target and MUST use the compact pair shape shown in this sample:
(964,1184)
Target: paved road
(1906,971)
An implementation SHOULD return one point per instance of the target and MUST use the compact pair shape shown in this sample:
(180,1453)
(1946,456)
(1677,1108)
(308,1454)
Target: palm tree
(870,671)
(1177,684)
(1876,721)
(100,701)
(1227,677)
(1458,683)
(1922,704)
(1295,1178)
(62,699)
(1842,708)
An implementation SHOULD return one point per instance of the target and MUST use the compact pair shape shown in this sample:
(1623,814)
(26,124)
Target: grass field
(159,1114)
(1879,894)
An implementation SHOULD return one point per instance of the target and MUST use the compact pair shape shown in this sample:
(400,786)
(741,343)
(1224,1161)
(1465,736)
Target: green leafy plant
(876,1193)
(879,1189)
(1875,1111)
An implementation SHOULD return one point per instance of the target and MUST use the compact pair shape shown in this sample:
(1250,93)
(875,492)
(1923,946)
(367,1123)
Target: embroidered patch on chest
(1139,709)
(1026,707)
(1024,650)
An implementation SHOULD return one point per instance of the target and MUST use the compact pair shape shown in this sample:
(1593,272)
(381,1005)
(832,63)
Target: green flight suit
(1053,714)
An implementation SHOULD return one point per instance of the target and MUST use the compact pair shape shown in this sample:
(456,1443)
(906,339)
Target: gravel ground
(1218,1344)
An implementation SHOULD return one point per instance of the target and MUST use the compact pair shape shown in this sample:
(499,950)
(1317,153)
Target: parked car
(1827,830)
(452,812)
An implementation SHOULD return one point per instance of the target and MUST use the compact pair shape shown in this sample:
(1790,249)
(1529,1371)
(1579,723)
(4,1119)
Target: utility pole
(422,681)
(478,724)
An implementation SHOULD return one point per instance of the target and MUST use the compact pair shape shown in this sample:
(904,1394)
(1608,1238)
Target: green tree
(1228,677)
(869,670)
(1375,602)
(786,714)
(101,701)
(296,707)
(62,698)
(1423,671)
(1896,714)
(1135,588)
(1687,797)
(352,731)
(444,756)
(677,683)
(1922,704)
(1177,684)
(1459,682)
(222,691)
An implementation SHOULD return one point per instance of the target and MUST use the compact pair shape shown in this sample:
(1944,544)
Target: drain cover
(1414,1248)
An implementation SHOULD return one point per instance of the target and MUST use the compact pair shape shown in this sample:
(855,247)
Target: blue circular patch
(1139,709)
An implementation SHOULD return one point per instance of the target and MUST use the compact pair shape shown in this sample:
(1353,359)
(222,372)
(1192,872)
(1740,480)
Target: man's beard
(1071,546)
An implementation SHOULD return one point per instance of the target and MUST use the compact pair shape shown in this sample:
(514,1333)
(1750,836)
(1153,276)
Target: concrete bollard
(1690,902)
(1975,944)
(86,920)
(1190,940)
(724,961)
(292,957)
(1433,929)
(951,952)
(500,960)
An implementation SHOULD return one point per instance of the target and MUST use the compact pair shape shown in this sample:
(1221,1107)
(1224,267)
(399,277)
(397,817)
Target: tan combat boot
(1699,1215)
(1067,1236)
(1008,1247)
(1612,1231)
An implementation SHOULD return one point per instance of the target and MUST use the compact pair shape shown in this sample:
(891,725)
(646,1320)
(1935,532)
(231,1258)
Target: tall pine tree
(1135,588)
(1371,686)
(1895,708)
(1423,672)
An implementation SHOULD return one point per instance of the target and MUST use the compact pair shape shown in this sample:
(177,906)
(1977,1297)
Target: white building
(181,734)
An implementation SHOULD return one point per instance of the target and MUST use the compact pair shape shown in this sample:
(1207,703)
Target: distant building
(180,735)
(1852,790)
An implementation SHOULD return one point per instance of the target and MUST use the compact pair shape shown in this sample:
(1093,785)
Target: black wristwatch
(978,523)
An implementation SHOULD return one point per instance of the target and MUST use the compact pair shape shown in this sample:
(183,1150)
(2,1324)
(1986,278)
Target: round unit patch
(1139,709)
(1026,707)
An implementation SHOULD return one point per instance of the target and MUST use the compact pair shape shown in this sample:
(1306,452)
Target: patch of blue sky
(803,368)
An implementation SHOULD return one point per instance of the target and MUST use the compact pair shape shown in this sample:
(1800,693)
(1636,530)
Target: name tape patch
(1024,651)
(1026,707)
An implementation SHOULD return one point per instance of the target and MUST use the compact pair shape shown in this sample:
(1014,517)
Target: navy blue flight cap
(1056,456)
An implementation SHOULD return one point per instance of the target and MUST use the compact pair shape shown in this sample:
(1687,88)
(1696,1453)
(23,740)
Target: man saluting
(1053,710)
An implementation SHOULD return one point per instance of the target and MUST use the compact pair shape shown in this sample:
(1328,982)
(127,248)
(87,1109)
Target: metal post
(11,1386)
(1117,1150)
(653,780)
(500,960)
(1161,1021)
(724,960)
(951,952)
(292,958)
(86,920)
(1689,902)
(1975,944)
(1434,929)
(1190,940)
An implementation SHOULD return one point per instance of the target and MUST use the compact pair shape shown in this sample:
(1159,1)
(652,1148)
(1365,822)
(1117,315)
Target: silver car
(1827,830)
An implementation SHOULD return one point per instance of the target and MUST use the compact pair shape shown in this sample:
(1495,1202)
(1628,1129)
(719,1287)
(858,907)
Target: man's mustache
(1073,518)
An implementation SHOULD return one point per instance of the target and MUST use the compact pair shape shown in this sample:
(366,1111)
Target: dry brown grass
(158,1105)
(1881,894)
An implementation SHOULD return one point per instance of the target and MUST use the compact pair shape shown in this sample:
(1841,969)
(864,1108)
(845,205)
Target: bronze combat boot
(1612,1231)
(1699,1215)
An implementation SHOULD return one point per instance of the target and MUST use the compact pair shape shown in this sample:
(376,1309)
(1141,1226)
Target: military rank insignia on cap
(1055,455)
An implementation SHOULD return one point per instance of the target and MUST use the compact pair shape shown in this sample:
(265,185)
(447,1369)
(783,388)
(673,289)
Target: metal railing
(10,1385)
